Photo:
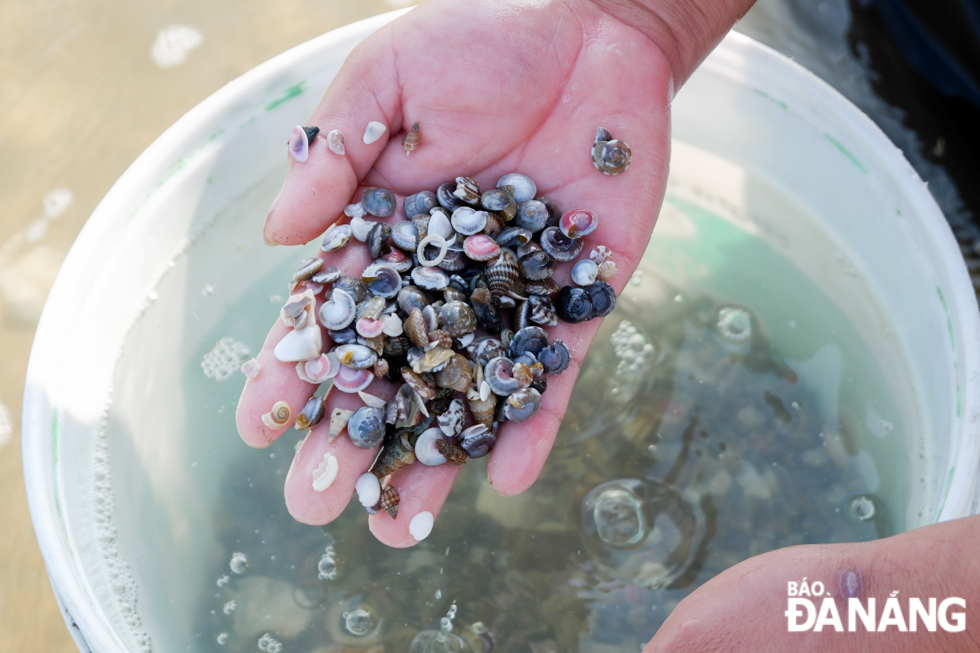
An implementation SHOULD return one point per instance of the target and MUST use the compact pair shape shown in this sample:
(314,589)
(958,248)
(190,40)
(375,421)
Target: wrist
(686,31)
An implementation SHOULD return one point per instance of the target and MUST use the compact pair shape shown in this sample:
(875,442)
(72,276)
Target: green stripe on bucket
(845,152)
(288,94)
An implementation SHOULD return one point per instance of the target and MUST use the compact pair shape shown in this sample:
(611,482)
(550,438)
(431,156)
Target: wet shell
(485,349)
(451,421)
(398,451)
(411,141)
(377,240)
(359,227)
(311,415)
(391,325)
(381,368)
(560,246)
(578,223)
(307,268)
(400,407)
(252,367)
(452,294)
(405,235)
(494,224)
(601,254)
(468,221)
(584,272)
(542,311)
(573,304)
(430,278)
(425,448)
(278,417)
(335,141)
(554,213)
(433,360)
(415,328)
(522,404)
(484,310)
(499,375)
(530,340)
(338,312)
(356,288)
(396,260)
(369,328)
(532,215)
(437,241)
(447,198)
(543,288)
(537,265)
(501,272)
(555,357)
(382,280)
(610,156)
(454,261)
(421,223)
(419,384)
(336,237)
(514,237)
(396,347)
(439,338)
(351,381)
(480,247)
(389,501)
(366,427)
(452,452)
(521,187)
(603,298)
(457,318)
(343,336)
(499,201)
(467,189)
(410,297)
(607,270)
(319,369)
(298,143)
(338,421)
(421,202)
(458,374)
(294,311)
(478,440)
(327,275)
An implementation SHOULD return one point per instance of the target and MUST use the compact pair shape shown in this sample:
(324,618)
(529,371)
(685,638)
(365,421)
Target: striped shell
(390,500)
(501,273)
(411,141)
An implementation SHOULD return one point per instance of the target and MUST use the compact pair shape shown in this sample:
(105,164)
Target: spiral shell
(560,246)
(405,235)
(278,417)
(421,202)
(499,201)
(414,326)
(522,404)
(336,237)
(356,288)
(338,312)
(457,318)
(574,304)
(311,415)
(430,278)
(478,440)
(513,237)
(307,268)
(532,215)
(447,198)
(419,384)
(555,358)
(578,223)
(379,202)
(607,270)
(458,374)
(468,221)
(390,500)
(610,156)
(584,272)
(543,288)
(494,225)
(452,452)
(501,272)
(377,239)
(521,187)
(382,280)
(537,265)
(326,275)
(480,247)
(603,298)
(467,190)
(411,141)
(542,311)
(366,427)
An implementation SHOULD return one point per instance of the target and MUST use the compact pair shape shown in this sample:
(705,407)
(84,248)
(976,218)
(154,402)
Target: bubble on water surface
(269,644)
(862,507)
(230,607)
(327,567)
(359,622)
(224,359)
(735,324)
(223,638)
(619,518)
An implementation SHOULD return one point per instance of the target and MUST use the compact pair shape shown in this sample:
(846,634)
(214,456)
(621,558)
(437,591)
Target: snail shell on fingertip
(521,405)
(311,414)
(373,131)
(421,202)
(366,427)
(573,304)
(603,298)
(307,268)
(390,500)
(251,368)
(278,417)
(584,272)
(578,223)
(610,156)
(478,440)
(607,270)
(555,358)
(368,489)
(336,236)
(335,141)
(338,421)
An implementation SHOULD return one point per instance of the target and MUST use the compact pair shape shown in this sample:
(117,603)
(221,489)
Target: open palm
(497,87)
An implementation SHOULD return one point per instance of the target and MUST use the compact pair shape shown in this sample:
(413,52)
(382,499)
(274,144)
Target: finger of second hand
(305,503)
(421,489)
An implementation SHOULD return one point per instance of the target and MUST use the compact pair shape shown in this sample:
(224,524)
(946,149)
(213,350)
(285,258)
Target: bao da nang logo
(812,608)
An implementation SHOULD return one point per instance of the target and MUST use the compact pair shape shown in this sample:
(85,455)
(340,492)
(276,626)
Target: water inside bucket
(728,407)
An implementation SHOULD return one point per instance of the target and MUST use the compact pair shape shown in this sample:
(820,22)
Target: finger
(277,381)
(310,504)
(316,190)
(422,489)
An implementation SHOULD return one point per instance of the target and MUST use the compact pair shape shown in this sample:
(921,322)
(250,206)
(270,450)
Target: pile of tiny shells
(453,308)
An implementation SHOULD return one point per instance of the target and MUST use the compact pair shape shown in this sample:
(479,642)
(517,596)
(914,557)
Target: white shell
(356,210)
(326,472)
(373,131)
(432,239)
(451,421)
(371,400)
(368,489)
(335,141)
(524,187)
(430,279)
(584,272)
(485,391)
(468,221)
(425,448)
(338,421)
(300,345)
(440,225)
(336,237)
(466,339)
(299,301)
(338,312)
(251,368)
(361,227)
(601,254)
(319,369)
(421,525)
(392,325)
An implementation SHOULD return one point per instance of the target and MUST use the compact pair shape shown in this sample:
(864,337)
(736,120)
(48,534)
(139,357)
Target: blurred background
(86,87)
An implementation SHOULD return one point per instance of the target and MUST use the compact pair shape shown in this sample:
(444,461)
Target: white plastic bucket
(746,104)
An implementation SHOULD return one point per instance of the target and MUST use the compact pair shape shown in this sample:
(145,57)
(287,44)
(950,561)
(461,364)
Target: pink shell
(369,328)
(480,247)
(318,370)
(578,222)
(352,381)
(298,144)
(394,256)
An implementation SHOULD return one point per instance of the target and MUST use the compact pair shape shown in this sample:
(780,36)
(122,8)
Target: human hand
(743,608)
(498,87)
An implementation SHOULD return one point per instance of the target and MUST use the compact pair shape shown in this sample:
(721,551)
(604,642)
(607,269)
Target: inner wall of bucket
(722,124)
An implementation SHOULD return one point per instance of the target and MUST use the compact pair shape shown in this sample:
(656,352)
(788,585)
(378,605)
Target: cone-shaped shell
(501,273)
